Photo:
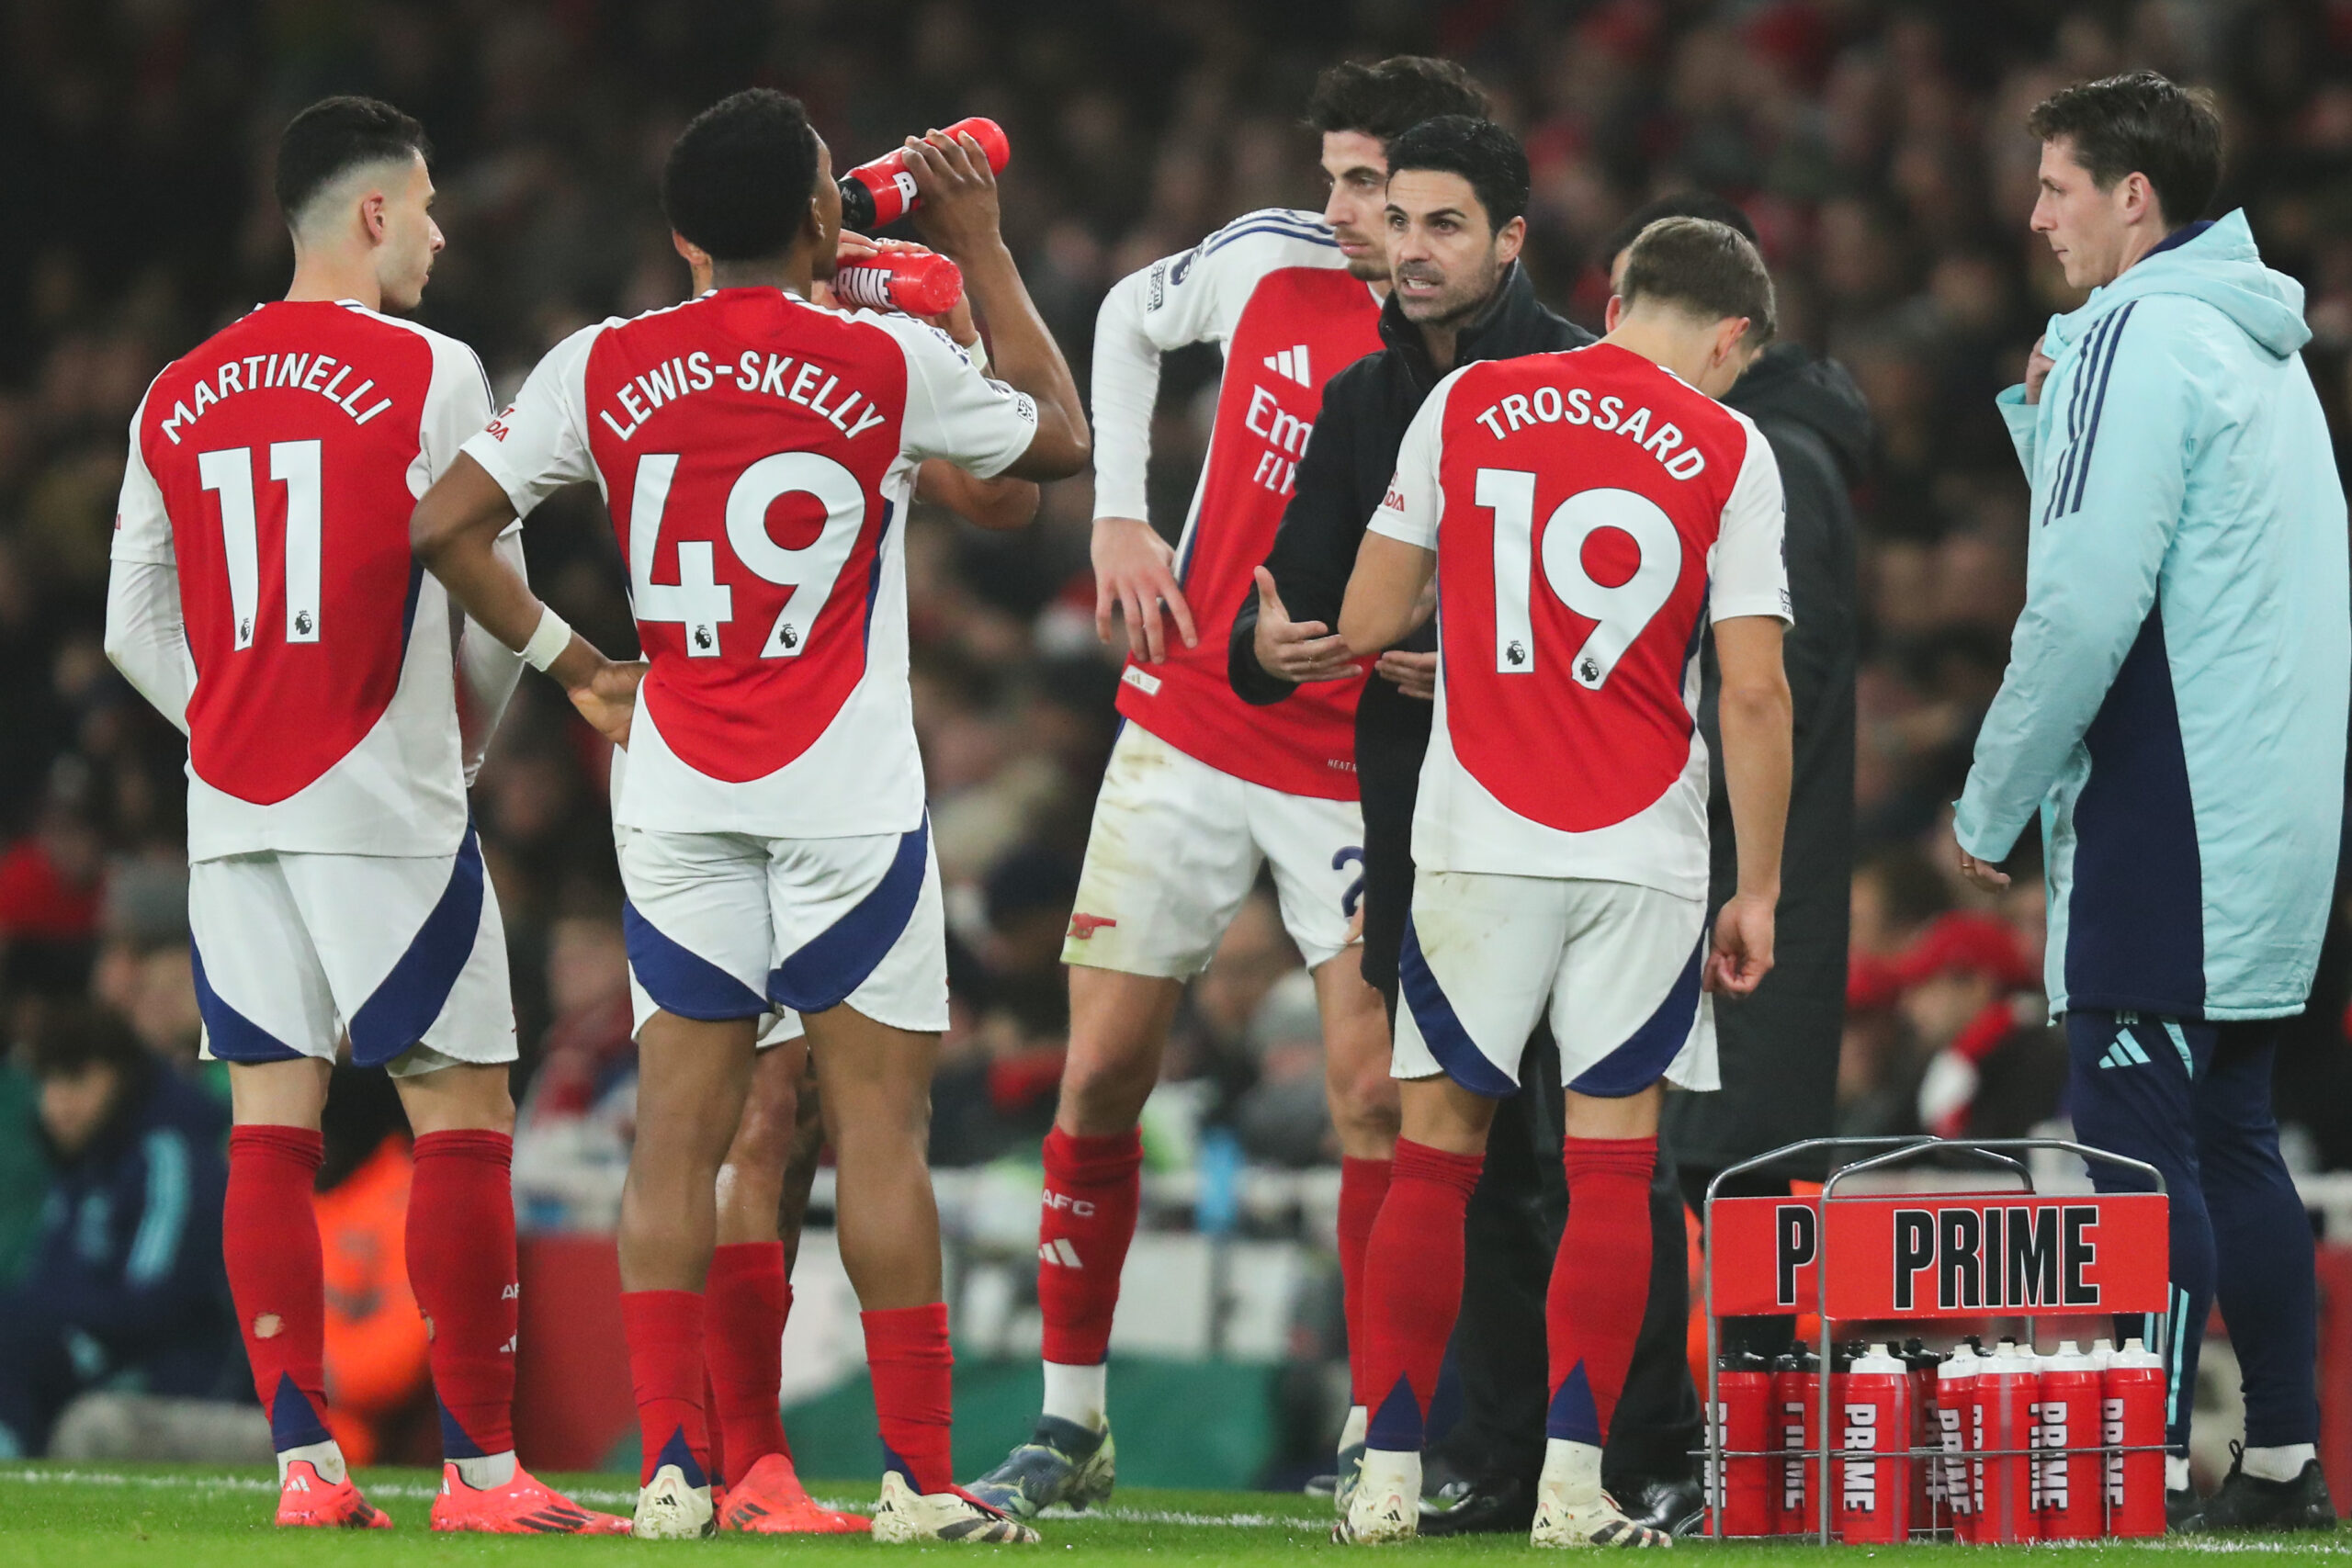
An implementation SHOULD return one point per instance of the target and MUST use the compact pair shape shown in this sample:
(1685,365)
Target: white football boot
(1571,1510)
(905,1515)
(1386,1505)
(670,1509)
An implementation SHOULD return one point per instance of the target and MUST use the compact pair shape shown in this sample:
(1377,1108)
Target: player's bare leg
(1599,1288)
(875,1083)
(271,1241)
(762,1194)
(1365,1114)
(1118,1034)
(1413,1295)
(692,1078)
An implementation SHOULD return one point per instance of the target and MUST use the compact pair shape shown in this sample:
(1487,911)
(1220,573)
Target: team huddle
(318,576)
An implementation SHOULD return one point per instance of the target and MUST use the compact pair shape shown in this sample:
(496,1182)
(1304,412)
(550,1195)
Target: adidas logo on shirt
(1291,365)
(2124,1053)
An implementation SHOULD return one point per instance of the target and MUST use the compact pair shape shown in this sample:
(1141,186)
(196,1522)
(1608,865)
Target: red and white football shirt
(276,466)
(1273,290)
(757,454)
(1590,510)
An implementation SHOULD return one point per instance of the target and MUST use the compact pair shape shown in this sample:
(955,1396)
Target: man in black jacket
(1284,637)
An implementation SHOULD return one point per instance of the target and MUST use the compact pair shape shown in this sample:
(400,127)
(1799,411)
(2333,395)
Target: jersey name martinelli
(757,454)
(1274,289)
(276,466)
(1590,513)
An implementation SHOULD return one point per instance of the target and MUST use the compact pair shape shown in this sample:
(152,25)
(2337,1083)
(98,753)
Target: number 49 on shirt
(1619,612)
(699,601)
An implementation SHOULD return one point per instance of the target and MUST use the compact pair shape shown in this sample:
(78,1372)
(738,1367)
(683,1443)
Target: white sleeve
(487,669)
(1748,571)
(1193,297)
(456,407)
(538,442)
(1409,512)
(143,529)
(952,411)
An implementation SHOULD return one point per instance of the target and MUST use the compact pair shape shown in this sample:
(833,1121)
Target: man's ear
(2136,197)
(372,219)
(1613,314)
(1509,242)
(688,252)
(1729,333)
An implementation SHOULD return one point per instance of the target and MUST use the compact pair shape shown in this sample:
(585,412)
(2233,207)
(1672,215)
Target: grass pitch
(188,1517)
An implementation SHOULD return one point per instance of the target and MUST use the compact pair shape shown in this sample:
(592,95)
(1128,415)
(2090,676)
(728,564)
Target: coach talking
(2175,712)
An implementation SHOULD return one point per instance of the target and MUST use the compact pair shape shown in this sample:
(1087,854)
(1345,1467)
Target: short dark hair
(68,1038)
(336,135)
(2140,123)
(1389,97)
(740,175)
(1684,204)
(1481,151)
(1708,268)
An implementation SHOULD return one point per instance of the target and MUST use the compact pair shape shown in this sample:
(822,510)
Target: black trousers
(1512,1233)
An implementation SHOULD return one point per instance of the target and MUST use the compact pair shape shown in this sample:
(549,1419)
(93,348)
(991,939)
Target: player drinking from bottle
(764,1181)
(758,451)
(1584,514)
(264,599)
(1203,789)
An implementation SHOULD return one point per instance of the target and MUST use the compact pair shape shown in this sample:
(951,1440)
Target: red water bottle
(919,283)
(2071,1483)
(1796,1404)
(1955,1409)
(2004,1434)
(2133,1431)
(880,192)
(1873,1474)
(1740,1490)
(1926,1474)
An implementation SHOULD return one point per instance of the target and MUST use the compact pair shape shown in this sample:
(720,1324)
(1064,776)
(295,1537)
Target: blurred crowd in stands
(1878,144)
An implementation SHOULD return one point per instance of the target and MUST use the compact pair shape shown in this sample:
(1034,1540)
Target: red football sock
(912,1368)
(1093,1186)
(1600,1282)
(461,1266)
(747,1298)
(269,1238)
(1412,1280)
(665,1363)
(1364,1183)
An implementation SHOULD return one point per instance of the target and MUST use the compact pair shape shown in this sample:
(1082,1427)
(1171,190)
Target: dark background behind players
(1877,147)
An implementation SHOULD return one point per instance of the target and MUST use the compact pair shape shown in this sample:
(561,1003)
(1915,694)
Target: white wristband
(979,349)
(548,643)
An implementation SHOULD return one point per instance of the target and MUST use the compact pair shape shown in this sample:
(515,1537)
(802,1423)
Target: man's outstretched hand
(1297,652)
(1135,573)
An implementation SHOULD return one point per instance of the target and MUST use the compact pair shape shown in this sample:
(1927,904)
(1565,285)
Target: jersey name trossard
(757,454)
(1589,512)
(276,466)
(1274,291)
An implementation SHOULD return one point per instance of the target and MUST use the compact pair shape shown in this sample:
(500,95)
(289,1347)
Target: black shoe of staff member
(2249,1503)
(1677,1504)
(1492,1505)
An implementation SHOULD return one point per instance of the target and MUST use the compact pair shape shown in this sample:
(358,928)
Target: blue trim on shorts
(1643,1059)
(680,982)
(407,1000)
(836,963)
(232,1035)
(1441,1028)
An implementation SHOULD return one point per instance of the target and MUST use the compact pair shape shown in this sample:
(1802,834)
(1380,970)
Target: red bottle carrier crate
(1884,1442)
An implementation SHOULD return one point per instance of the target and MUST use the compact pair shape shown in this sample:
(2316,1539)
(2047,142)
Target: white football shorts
(406,954)
(1175,848)
(727,926)
(1617,965)
(777,1025)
